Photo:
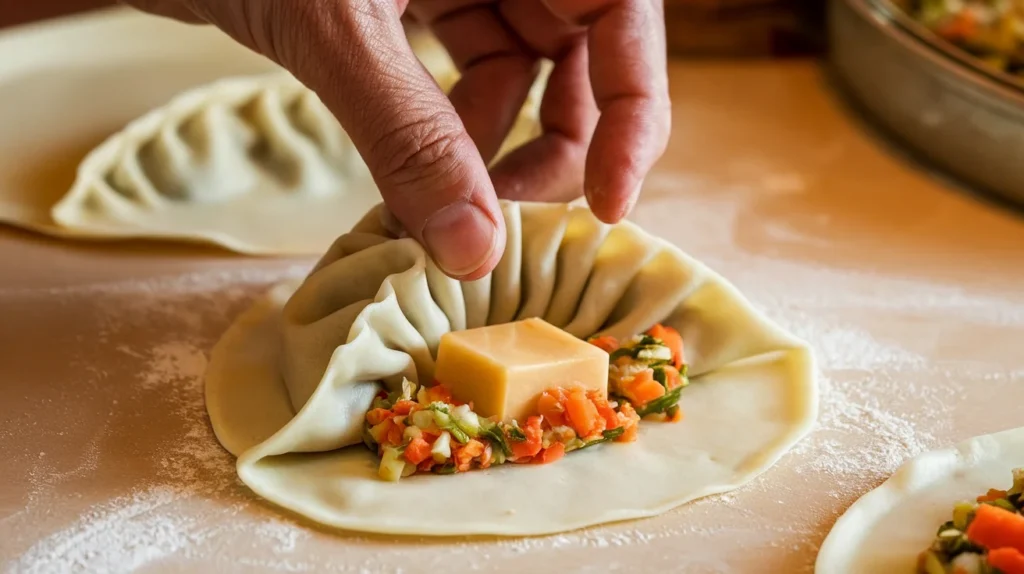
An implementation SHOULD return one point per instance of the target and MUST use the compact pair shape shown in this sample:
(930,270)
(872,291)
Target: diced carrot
(531,446)
(487,457)
(676,416)
(474,448)
(551,406)
(465,454)
(380,431)
(672,339)
(1007,560)
(396,431)
(440,393)
(630,422)
(959,27)
(995,527)
(417,451)
(551,454)
(404,407)
(583,415)
(992,494)
(642,388)
(606,342)
(426,466)
(377,416)
(459,466)
(623,361)
(672,377)
(605,410)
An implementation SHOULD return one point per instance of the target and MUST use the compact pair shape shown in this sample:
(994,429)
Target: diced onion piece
(655,354)
(967,562)
(442,449)
(466,417)
(391,465)
(422,419)
(412,432)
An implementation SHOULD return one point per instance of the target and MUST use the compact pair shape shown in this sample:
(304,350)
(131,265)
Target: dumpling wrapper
(289,383)
(886,529)
(255,164)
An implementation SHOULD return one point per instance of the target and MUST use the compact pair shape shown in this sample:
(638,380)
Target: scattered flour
(118,536)
(192,501)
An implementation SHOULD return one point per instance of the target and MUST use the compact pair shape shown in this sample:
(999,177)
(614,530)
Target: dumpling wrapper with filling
(254,164)
(886,529)
(289,383)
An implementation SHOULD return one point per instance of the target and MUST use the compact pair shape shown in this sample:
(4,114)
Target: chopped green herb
(492,432)
(619,353)
(515,433)
(593,442)
(659,375)
(446,469)
(606,436)
(662,403)
(1002,503)
(612,434)
(649,341)
(464,429)
(444,421)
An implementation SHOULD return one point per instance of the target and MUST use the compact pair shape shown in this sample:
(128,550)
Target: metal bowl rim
(894,23)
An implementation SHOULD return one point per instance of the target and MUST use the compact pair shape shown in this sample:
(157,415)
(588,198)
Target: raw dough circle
(753,395)
(886,529)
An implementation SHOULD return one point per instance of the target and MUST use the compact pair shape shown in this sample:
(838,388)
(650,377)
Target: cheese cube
(503,369)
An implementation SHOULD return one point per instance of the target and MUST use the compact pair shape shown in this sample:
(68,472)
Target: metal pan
(958,114)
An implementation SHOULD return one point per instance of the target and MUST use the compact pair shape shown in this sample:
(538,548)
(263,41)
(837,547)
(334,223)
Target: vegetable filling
(990,30)
(425,429)
(984,537)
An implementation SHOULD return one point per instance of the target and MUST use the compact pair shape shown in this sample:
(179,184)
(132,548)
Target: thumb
(355,56)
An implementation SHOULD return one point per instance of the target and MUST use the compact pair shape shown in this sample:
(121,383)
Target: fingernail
(460,237)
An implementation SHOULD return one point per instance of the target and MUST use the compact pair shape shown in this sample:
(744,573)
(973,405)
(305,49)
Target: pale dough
(289,383)
(255,164)
(886,529)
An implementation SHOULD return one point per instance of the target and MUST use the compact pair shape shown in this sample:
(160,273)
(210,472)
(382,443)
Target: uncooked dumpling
(288,385)
(231,163)
(887,528)
(255,164)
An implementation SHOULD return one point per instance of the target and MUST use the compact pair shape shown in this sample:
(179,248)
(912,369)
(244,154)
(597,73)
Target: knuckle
(663,123)
(424,151)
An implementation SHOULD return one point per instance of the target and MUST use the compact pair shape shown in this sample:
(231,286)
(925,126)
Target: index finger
(629,76)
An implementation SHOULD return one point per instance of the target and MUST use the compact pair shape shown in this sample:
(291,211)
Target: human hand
(605,114)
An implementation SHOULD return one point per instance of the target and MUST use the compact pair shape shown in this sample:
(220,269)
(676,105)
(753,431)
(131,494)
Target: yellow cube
(503,369)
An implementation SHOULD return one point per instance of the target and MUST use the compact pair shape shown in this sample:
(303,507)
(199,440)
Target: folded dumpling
(255,164)
(289,384)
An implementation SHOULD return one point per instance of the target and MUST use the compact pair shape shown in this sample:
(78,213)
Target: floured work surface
(907,290)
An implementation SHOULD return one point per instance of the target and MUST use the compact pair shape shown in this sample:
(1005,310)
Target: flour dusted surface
(139,442)
(907,292)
